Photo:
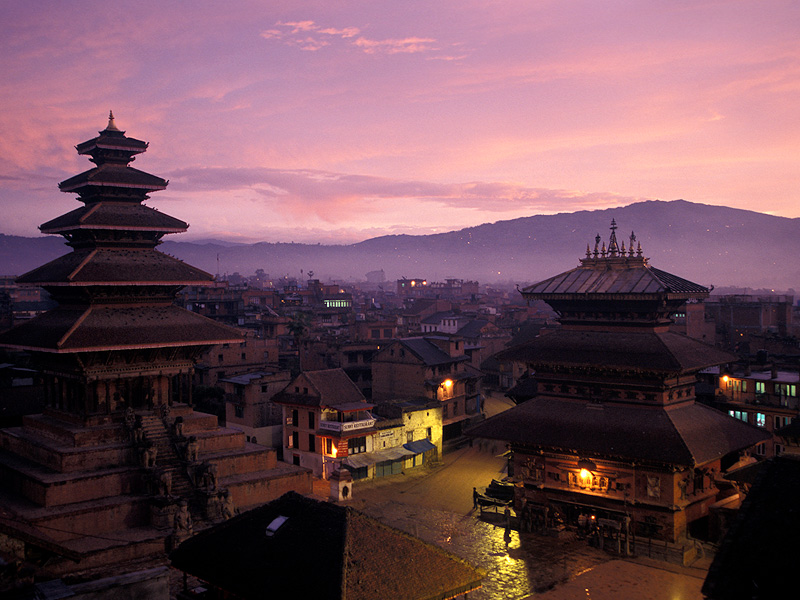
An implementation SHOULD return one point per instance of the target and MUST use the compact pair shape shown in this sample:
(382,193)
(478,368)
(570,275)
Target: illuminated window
(737,385)
(738,414)
(786,389)
(760,387)
(761,419)
(446,389)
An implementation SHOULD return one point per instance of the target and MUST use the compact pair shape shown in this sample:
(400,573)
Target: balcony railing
(345,427)
(771,400)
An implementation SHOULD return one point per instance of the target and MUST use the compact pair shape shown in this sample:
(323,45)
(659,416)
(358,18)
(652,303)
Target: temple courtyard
(435,504)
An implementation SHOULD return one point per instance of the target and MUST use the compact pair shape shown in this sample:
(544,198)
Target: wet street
(515,567)
(436,506)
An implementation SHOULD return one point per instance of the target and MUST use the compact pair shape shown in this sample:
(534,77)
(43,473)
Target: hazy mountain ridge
(706,244)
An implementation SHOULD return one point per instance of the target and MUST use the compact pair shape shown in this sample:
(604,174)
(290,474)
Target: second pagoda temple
(613,445)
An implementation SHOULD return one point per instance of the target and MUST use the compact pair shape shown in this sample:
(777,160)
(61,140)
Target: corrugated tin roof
(428,352)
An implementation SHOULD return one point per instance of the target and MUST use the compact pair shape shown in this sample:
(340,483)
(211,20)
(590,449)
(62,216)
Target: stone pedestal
(212,504)
(341,485)
(162,513)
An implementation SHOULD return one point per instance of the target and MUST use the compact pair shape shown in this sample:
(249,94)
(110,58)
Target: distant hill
(710,245)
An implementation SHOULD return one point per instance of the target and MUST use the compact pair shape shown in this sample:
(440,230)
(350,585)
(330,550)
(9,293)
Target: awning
(419,447)
(370,458)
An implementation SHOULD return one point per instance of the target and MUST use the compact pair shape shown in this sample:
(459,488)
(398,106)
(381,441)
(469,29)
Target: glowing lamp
(585,474)
(725,378)
(448,383)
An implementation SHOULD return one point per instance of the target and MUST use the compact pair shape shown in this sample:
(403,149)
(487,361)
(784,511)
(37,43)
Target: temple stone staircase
(166,457)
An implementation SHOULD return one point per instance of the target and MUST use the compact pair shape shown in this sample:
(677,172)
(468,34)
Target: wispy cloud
(338,197)
(406,46)
(308,35)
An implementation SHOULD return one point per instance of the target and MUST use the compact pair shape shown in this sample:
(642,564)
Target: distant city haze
(710,245)
(337,122)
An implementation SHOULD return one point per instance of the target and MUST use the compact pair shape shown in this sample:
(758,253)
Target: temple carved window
(591,482)
(654,487)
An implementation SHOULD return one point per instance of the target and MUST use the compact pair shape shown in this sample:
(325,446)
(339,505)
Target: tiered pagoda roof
(613,381)
(690,434)
(114,289)
(612,285)
(627,350)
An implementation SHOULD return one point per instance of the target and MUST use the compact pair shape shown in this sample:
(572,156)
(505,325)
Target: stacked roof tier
(115,290)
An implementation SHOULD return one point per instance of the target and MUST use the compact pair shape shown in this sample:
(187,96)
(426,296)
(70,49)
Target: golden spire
(111,126)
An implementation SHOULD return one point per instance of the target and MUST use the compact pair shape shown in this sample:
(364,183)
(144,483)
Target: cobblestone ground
(516,567)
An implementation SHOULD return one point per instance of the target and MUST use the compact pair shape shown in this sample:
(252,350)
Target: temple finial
(622,249)
(596,245)
(630,248)
(639,249)
(111,125)
(588,252)
(613,247)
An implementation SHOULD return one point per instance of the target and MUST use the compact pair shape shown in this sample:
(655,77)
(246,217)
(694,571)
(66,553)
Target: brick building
(249,405)
(767,398)
(429,368)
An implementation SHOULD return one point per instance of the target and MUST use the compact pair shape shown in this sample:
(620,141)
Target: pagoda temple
(613,444)
(120,466)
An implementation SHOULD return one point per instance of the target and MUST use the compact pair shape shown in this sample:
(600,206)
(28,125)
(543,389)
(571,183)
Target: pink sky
(339,121)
